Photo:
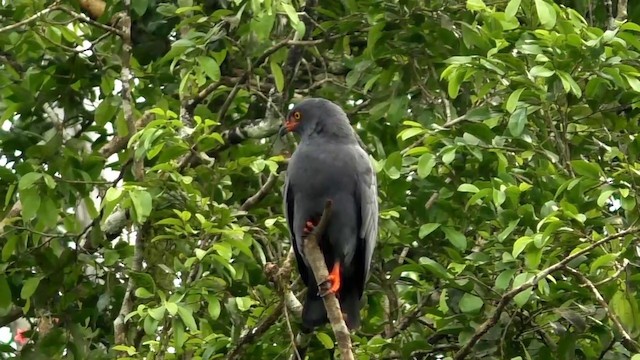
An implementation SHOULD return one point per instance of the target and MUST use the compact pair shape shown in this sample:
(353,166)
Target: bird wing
(289,216)
(367,193)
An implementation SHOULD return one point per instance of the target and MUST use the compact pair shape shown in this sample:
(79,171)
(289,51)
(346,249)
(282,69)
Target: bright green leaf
(513,100)
(470,304)
(427,229)
(325,339)
(29,287)
(517,121)
(456,238)
(210,67)
(546,14)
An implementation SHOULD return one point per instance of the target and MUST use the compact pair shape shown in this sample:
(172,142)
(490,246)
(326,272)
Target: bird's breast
(321,173)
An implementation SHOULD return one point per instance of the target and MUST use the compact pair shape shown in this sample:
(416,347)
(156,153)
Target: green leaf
(522,298)
(512,102)
(435,267)
(512,8)
(410,132)
(470,304)
(426,162)
(427,229)
(142,203)
(28,179)
(448,155)
(517,121)
(633,82)
(504,279)
(276,70)
(186,314)
(291,12)
(520,244)
(604,197)
(455,80)
(603,260)
(140,6)
(325,339)
(456,238)
(568,83)
(210,67)
(509,229)
(375,32)
(476,5)
(541,71)
(29,287)
(158,313)
(213,307)
(587,169)
(623,309)
(546,14)
(31,198)
(244,303)
(172,308)
(468,188)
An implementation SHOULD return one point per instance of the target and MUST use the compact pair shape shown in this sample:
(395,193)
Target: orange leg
(333,280)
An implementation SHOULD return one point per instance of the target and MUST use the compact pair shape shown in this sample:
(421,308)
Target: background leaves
(504,136)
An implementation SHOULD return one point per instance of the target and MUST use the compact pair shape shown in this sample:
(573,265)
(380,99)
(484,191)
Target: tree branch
(627,342)
(318,267)
(34,17)
(508,296)
(119,325)
(264,190)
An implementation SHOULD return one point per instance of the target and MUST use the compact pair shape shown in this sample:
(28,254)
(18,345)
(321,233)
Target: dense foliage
(141,174)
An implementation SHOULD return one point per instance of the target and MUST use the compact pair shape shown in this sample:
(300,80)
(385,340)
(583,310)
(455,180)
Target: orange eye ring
(297,115)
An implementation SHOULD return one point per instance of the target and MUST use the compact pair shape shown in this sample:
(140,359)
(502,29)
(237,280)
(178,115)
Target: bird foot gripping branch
(332,284)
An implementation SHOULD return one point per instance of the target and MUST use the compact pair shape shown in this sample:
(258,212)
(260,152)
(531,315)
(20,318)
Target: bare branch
(264,190)
(34,17)
(628,342)
(318,267)
(622,10)
(119,325)
(86,19)
(508,296)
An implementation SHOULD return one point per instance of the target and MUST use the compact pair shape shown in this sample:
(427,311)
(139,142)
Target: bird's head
(315,116)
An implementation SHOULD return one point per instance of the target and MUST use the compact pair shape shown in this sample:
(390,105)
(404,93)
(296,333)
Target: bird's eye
(297,115)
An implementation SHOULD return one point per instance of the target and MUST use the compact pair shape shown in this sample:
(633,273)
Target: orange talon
(333,279)
(308,227)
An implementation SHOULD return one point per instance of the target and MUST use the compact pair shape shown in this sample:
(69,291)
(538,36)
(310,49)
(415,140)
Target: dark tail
(350,305)
(314,313)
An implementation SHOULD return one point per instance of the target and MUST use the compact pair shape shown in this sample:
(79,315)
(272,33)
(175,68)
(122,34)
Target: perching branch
(508,296)
(32,18)
(318,267)
(627,342)
(119,325)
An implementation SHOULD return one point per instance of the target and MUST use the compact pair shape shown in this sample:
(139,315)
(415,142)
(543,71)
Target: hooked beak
(288,126)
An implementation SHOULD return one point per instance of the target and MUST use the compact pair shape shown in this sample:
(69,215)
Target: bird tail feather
(350,305)
(313,312)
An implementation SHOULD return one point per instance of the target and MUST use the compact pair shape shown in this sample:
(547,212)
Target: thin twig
(32,18)
(264,190)
(627,342)
(508,296)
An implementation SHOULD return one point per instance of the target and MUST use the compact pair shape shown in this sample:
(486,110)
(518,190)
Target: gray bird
(330,164)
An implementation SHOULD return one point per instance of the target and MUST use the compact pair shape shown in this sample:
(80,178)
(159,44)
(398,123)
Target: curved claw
(309,226)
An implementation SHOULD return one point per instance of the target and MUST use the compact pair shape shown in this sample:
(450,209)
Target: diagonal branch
(628,342)
(319,268)
(34,17)
(508,296)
